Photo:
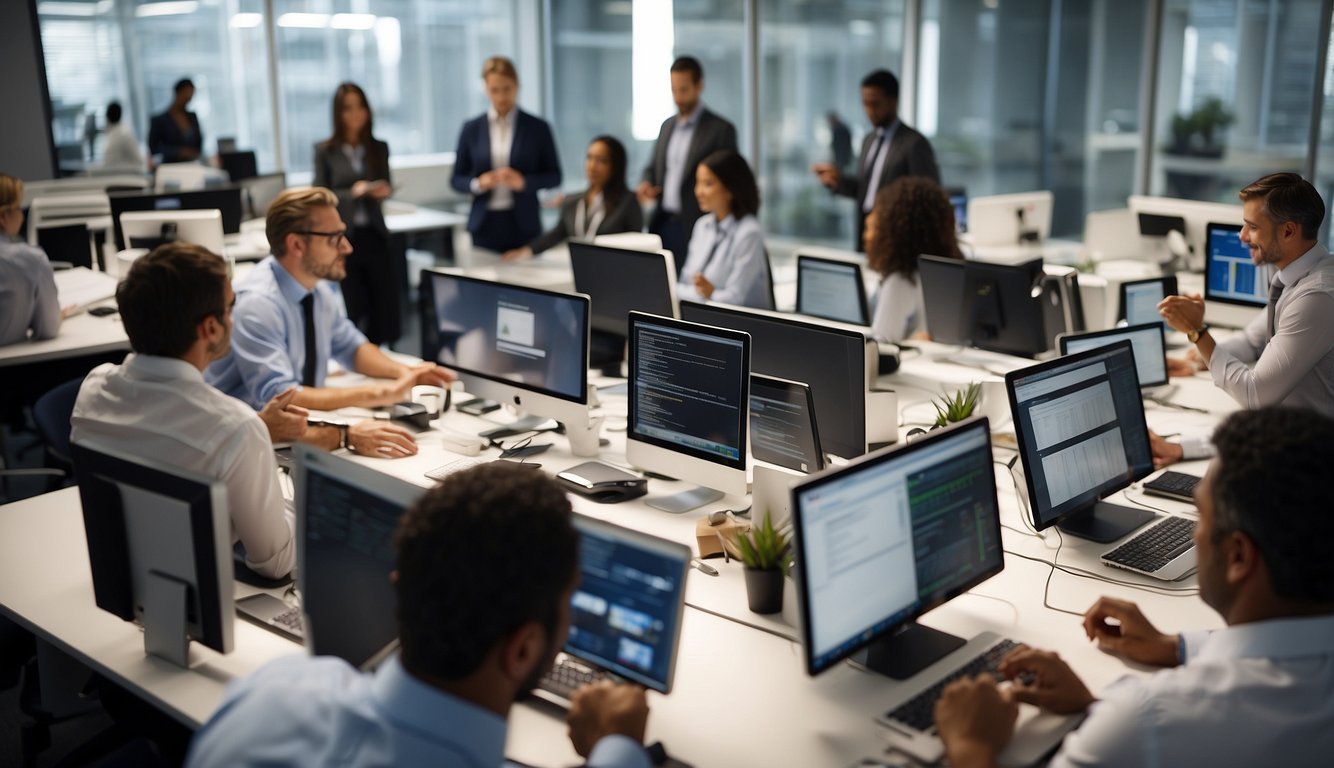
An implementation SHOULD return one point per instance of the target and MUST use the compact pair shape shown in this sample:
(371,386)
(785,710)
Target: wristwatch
(340,426)
(1195,335)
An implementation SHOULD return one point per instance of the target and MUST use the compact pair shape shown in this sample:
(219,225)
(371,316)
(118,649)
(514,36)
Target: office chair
(769,279)
(52,413)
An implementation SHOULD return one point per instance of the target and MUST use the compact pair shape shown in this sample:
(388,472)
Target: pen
(703,567)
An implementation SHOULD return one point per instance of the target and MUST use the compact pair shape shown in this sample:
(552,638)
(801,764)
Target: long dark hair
(366,134)
(616,189)
(735,175)
(913,216)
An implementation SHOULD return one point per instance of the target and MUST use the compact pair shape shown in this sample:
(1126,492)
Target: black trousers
(369,289)
(500,232)
(675,237)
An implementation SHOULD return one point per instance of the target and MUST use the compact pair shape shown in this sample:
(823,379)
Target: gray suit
(712,133)
(625,217)
(909,154)
(334,170)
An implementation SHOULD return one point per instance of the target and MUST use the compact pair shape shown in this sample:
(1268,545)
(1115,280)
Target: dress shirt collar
(293,291)
(692,119)
(4,238)
(1303,265)
(1274,639)
(493,117)
(425,710)
(155,368)
(724,224)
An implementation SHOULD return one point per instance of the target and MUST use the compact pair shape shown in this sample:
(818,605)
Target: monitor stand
(908,651)
(1105,522)
(166,601)
(684,501)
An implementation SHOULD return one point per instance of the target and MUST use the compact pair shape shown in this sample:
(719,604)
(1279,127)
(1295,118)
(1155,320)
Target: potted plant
(956,407)
(766,553)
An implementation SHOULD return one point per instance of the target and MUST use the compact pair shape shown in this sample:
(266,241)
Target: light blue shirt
(28,296)
(303,711)
(678,149)
(269,337)
(738,267)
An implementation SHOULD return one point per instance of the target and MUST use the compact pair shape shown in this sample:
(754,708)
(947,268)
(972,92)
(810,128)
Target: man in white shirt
(1259,691)
(120,149)
(176,304)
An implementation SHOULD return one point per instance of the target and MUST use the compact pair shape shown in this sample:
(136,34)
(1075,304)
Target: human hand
(488,181)
(646,192)
(703,286)
(286,422)
(826,173)
(1164,453)
(379,189)
(430,373)
(1182,367)
(370,437)
(67,310)
(517,254)
(1132,637)
(975,721)
(512,179)
(1051,685)
(603,709)
(1183,313)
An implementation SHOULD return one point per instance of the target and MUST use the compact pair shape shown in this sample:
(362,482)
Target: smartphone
(478,406)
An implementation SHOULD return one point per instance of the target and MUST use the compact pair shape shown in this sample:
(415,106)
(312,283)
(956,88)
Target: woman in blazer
(726,260)
(911,216)
(606,207)
(503,158)
(355,165)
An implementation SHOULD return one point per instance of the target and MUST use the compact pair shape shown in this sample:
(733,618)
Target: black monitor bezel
(1209,295)
(1168,282)
(607,323)
(939,330)
(863,308)
(1142,327)
(893,623)
(804,390)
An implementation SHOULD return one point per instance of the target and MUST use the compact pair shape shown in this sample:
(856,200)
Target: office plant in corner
(767,554)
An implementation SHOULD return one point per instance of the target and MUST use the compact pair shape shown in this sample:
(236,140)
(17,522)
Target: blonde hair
(290,213)
(11,192)
(499,65)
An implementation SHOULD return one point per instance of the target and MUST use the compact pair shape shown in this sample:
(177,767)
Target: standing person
(891,150)
(503,158)
(840,141)
(28,298)
(685,139)
(120,148)
(175,134)
(606,207)
(727,261)
(911,217)
(355,166)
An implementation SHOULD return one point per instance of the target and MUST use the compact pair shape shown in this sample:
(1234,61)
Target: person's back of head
(486,552)
(289,214)
(113,113)
(1288,197)
(1270,484)
(734,173)
(689,65)
(167,294)
(912,216)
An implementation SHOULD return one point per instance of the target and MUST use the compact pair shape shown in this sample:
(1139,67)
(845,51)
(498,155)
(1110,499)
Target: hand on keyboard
(1042,679)
(975,720)
(603,709)
(1132,636)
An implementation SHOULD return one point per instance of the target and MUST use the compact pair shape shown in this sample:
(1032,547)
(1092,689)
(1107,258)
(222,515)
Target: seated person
(911,216)
(28,299)
(726,260)
(176,305)
(470,648)
(290,322)
(1260,690)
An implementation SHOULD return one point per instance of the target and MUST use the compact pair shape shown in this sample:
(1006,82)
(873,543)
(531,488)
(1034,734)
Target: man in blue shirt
(486,564)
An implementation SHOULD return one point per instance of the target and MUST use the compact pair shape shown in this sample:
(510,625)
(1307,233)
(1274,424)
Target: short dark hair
(113,112)
(689,64)
(482,553)
(1288,197)
(1272,484)
(184,82)
(167,293)
(913,216)
(885,81)
(734,173)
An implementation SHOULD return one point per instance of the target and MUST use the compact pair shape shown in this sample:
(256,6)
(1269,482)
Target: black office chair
(52,413)
(769,279)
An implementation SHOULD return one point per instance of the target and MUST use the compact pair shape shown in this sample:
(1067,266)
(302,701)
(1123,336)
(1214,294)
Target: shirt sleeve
(259,350)
(46,307)
(1300,340)
(347,338)
(617,751)
(1113,734)
(1196,447)
(746,283)
(255,503)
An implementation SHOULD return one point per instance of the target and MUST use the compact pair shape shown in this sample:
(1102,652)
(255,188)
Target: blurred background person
(120,148)
(28,298)
(911,217)
(727,261)
(174,135)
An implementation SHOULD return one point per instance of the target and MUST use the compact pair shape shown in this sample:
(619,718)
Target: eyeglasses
(336,239)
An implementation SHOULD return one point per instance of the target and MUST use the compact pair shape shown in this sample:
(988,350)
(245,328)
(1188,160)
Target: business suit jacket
(532,153)
(166,138)
(626,217)
(910,154)
(712,133)
(333,169)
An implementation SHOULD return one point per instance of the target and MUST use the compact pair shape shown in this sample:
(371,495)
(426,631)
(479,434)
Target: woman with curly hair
(911,217)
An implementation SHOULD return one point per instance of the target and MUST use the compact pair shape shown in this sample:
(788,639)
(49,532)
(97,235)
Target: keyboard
(919,712)
(1173,485)
(1154,548)
(568,675)
(457,465)
(274,615)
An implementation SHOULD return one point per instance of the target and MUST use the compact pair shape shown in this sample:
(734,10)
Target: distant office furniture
(1196,216)
(47,187)
(258,191)
(149,229)
(227,200)
(1111,235)
(187,177)
(1010,219)
(65,208)
(68,245)
(239,165)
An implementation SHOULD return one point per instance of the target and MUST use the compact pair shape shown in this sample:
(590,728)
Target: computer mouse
(618,494)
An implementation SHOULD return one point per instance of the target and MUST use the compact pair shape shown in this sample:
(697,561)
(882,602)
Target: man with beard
(486,563)
(176,305)
(290,322)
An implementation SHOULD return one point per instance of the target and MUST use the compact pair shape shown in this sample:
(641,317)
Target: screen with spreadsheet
(1230,275)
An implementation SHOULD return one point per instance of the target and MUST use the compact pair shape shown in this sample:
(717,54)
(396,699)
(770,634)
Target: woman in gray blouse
(28,299)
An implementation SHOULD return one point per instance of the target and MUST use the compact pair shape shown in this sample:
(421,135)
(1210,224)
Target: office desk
(82,334)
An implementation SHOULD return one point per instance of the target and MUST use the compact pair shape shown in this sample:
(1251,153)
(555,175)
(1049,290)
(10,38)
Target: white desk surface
(405,217)
(741,696)
(82,334)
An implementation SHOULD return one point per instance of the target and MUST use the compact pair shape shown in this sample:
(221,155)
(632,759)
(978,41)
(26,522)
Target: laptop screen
(1146,342)
(782,424)
(831,289)
(625,615)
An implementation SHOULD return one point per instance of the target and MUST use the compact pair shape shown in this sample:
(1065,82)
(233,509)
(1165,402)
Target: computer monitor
(1158,225)
(688,392)
(1140,298)
(259,191)
(835,360)
(942,281)
(1195,214)
(1005,307)
(959,202)
(225,199)
(625,615)
(1009,219)
(1235,288)
(1146,341)
(618,280)
(1079,425)
(526,347)
(889,537)
(68,243)
(782,424)
(346,515)
(160,548)
(831,289)
(149,229)
(187,177)
(239,165)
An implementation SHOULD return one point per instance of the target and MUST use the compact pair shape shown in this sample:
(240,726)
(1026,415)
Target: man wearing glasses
(289,322)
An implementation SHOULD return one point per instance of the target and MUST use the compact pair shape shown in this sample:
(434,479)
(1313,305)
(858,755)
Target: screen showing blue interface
(960,203)
(888,539)
(623,614)
(831,290)
(1141,299)
(503,332)
(1230,274)
(687,389)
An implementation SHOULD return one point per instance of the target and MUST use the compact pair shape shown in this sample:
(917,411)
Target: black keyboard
(919,712)
(1159,545)
(568,675)
(1175,485)
(290,620)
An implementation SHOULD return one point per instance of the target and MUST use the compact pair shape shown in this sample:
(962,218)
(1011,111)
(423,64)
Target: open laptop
(625,615)
(831,289)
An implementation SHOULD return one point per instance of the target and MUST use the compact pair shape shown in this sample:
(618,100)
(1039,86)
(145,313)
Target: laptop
(831,289)
(625,615)
(1147,343)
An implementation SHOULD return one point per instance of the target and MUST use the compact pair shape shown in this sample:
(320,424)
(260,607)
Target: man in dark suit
(891,150)
(686,138)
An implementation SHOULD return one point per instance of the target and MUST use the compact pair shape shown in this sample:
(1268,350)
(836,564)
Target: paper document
(82,286)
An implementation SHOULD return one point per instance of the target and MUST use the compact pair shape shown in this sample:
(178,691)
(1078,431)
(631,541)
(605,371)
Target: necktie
(308,320)
(869,171)
(875,150)
(1275,290)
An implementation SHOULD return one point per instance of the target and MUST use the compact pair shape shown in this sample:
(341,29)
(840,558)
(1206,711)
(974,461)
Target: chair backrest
(769,279)
(52,413)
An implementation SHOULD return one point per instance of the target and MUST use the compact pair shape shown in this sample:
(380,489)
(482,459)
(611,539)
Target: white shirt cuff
(1192,642)
(475,186)
(617,751)
(1196,447)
